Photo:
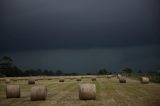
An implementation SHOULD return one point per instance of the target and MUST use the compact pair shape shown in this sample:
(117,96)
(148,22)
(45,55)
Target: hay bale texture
(13,91)
(49,78)
(93,79)
(119,75)
(144,80)
(87,92)
(122,79)
(61,80)
(7,81)
(79,79)
(38,93)
(31,81)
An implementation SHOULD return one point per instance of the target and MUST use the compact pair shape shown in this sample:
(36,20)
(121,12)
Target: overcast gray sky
(81,35)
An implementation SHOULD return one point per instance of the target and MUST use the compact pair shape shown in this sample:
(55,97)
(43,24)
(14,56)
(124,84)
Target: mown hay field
(109,93)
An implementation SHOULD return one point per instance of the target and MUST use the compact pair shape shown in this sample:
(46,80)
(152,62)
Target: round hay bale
(87,92)
(78,79)
(122,79)
(13,91)
(119,75)
(61,80)
(144,80)
(31,81)
(93,79)
(38,93)
(49,78)
(7,81)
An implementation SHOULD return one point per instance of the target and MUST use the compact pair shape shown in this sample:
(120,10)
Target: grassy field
(109,93)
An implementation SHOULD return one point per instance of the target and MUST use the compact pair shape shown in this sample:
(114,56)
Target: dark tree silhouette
(102,72)
(127,71)
(6,66)
(59,72)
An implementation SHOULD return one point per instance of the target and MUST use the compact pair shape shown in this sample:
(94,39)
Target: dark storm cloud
(146,58)
(47,24)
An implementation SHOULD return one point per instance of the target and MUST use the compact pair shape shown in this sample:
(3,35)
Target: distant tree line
(8,69)
(103,72)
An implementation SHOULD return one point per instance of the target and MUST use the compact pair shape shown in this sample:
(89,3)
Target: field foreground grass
(109,93)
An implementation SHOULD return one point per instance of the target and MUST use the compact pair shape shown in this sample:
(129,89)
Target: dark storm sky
(81,26)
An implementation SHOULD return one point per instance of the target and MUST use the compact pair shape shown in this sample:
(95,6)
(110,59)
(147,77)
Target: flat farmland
(109,93)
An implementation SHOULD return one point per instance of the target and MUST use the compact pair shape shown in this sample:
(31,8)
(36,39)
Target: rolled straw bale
(122,79)
(144,80)
(94,79)
(87,92)
(119,75)
(49,78)
(38,93)
(78,79)
(7,81)
(13,91)
(31,81)
(61,80)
